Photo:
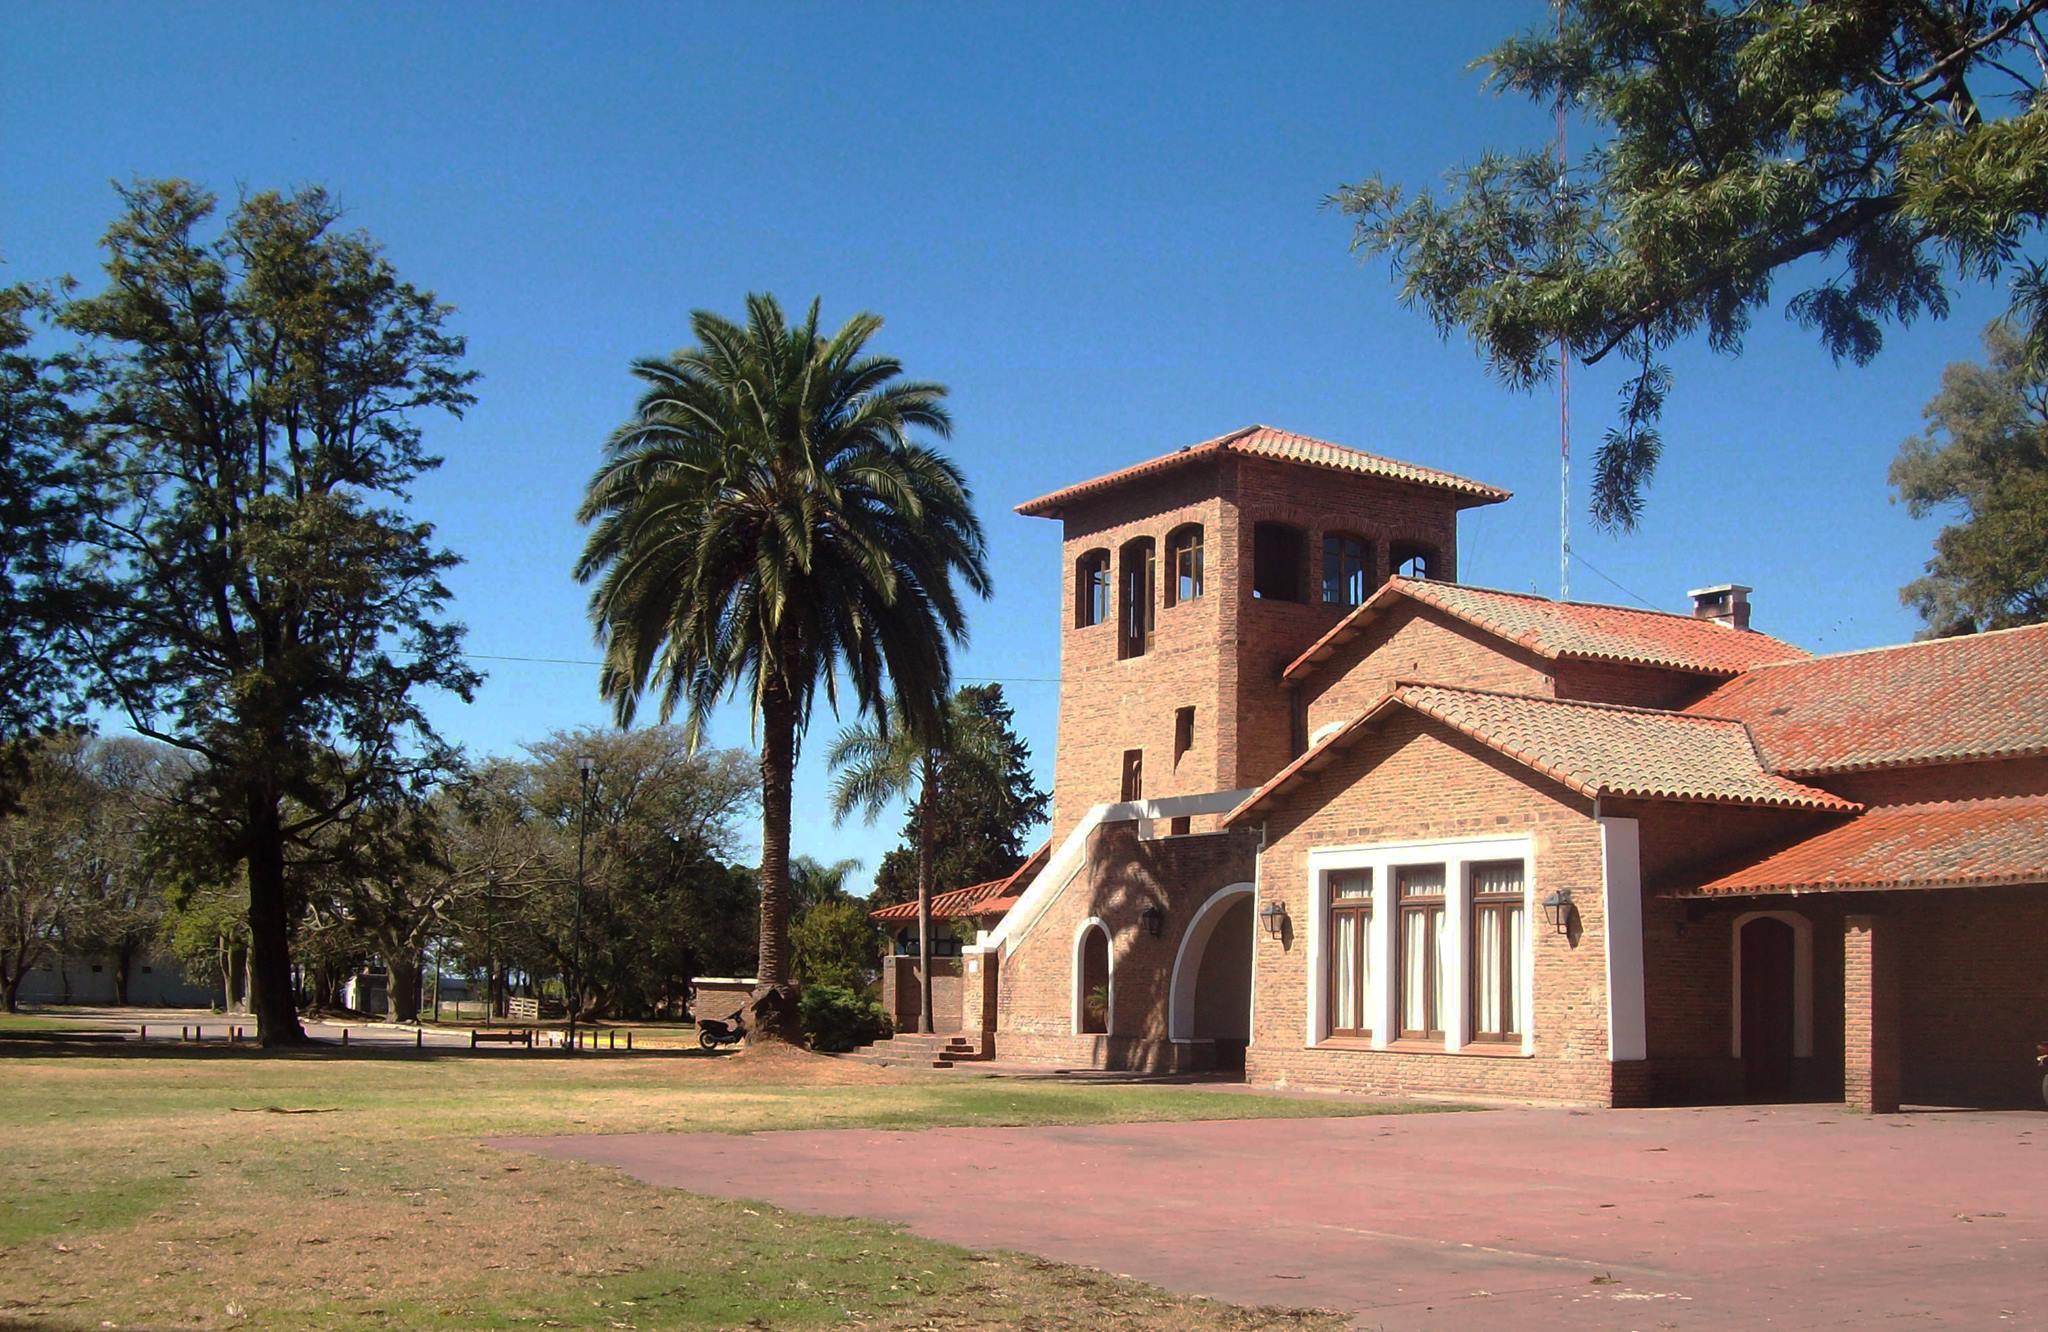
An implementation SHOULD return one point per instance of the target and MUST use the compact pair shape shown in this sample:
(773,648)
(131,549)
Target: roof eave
(1803,888)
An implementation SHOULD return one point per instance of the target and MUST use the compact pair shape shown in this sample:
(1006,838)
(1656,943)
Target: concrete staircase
(916,1050)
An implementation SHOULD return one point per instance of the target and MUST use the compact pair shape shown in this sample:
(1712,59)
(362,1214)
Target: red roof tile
(1957,844)
(954,904)
(975,901)
(1259,441)
(1943,700)
(1596,749)
(1584,630)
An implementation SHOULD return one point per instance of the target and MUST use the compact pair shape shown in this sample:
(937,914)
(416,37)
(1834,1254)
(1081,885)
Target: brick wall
(1637,686)
(1413,780)
(1124,874)
(1416,642)
(1109,705)
(1221,654)
(1272,633)
(1975,989)
(1941,781)
(903,996)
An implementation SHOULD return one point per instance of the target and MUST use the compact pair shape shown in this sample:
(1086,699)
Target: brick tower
(1191,580)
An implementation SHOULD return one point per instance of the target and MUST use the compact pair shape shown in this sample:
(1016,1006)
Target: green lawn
(227,1188)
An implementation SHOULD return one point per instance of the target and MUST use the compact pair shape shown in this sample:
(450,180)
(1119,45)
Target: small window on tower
(1279,562)
(1183,732)
(1134,774)
(1184,564)
(1091,589)
(1414,559)
(1136,573)
(1347,569)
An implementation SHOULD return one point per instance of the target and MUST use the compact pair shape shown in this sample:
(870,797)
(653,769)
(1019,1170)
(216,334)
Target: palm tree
(898,758)
(814,883)
(763,521)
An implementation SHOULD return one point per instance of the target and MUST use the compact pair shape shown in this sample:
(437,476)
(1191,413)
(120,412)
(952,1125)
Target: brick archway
(1094,964)
(1802,980)
(1187,960)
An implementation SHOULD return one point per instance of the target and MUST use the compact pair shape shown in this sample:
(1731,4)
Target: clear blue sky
(1100,225)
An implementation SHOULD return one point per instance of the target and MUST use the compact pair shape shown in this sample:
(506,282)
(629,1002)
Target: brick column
(1870,1015)
(978,981)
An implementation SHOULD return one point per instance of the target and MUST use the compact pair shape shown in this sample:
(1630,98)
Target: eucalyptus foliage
(265,603)
(44,496)
(1982,462)
(1889,149)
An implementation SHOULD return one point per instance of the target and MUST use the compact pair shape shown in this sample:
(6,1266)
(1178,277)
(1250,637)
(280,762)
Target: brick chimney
(1723,603)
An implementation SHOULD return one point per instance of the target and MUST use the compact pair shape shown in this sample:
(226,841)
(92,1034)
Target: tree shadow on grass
(321,1051)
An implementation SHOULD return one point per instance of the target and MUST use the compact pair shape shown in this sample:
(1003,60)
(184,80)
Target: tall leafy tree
(1900,145)
(44,495)
(763,522)
(898,759)
(976,831)
(269,606)
(1983,460)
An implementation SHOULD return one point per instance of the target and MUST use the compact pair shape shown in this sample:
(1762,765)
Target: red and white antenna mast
(1564,378)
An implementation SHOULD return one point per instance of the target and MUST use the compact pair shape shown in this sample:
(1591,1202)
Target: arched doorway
(1768,986)
(1211,992)
(1094,980)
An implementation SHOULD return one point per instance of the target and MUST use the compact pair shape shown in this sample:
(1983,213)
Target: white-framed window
(1499,949)
(1422,944)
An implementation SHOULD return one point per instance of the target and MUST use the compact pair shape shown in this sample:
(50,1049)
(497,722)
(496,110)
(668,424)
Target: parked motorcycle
(711,1033)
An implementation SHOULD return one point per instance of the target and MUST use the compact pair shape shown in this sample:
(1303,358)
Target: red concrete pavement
(1783,1216)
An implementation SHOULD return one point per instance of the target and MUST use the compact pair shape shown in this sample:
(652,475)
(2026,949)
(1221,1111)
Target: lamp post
(584,765)
(490,945)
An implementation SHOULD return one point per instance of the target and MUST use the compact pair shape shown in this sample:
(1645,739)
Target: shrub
(835,1019)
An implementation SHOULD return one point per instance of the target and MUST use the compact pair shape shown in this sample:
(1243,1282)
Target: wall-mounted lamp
(1557,909)
(1274,917)
(1154,919)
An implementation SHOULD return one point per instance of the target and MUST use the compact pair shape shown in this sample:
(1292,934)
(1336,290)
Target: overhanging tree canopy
(1900,145)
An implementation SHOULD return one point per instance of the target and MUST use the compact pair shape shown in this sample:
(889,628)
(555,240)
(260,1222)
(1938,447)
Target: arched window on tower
(1279,562)
(1091,589)
(1414,559)
(1135,576)
(1183,564)
(1347,569)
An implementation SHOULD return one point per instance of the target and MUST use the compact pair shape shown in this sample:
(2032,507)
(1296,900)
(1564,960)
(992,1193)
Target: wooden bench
(506,1035)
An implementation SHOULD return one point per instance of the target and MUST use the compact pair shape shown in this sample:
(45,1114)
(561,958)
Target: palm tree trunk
(924,903)
(774,1000)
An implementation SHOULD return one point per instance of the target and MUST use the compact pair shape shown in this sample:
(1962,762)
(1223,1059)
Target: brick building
(1324,813)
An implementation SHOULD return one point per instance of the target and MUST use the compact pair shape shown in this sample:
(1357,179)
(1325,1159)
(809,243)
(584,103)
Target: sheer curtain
(1349,1014)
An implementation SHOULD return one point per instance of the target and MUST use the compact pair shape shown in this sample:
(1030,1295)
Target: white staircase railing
(1067,861)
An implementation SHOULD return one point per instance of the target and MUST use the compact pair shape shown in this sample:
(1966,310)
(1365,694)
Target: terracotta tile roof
(1259,441)
(1596,749)
(954,904)
(1939,701)
(1584,630)
(976,901)
(1956,844)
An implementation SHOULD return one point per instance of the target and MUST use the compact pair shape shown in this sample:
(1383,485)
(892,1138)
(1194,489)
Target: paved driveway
(1787,1217)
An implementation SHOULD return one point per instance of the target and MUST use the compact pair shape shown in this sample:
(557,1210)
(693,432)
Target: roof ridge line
(1898,647)
(1581,703)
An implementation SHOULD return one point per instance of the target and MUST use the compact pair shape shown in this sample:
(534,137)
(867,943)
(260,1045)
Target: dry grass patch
(227,1188)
